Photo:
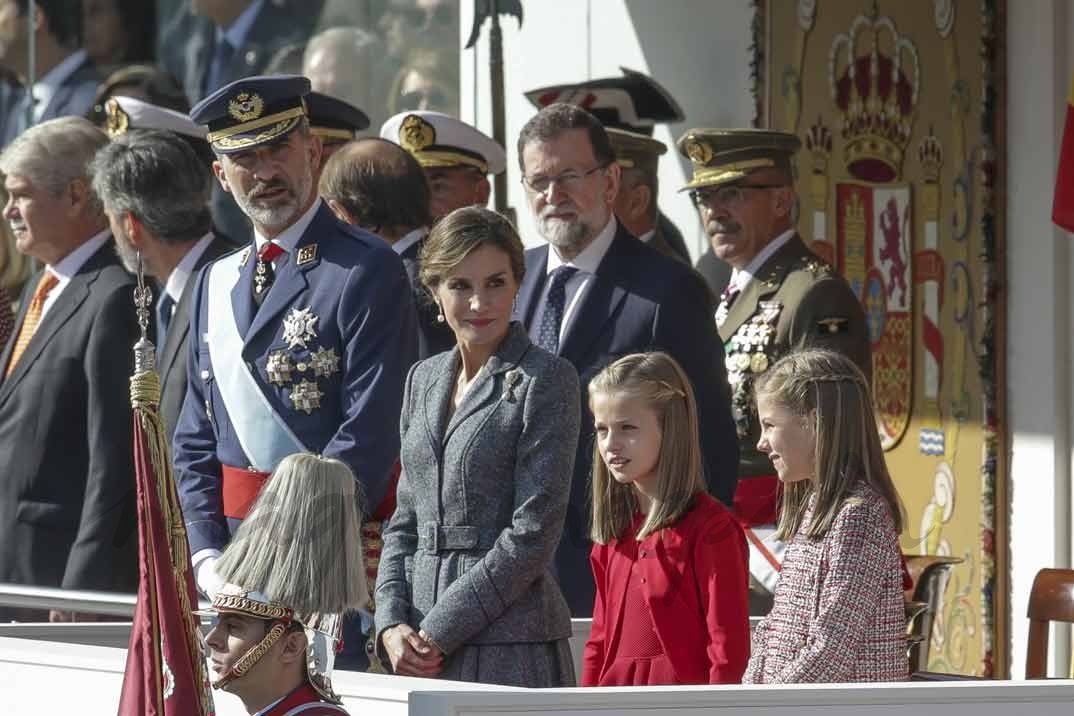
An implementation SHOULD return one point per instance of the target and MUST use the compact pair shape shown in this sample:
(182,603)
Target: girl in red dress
(670,563)
(838,614)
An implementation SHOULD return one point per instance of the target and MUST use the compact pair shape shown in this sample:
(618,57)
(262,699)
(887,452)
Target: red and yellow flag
(1063,203)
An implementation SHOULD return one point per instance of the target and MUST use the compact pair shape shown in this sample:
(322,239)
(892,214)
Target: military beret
(333,119)
(439,140)
(721,156)
(252,111)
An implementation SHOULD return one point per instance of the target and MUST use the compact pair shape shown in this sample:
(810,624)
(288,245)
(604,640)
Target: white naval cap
(439,140)
(124,113)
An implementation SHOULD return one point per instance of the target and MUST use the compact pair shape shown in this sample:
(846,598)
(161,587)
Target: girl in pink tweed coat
(838,614)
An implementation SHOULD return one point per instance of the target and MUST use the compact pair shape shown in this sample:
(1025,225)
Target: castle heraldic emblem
(876,94)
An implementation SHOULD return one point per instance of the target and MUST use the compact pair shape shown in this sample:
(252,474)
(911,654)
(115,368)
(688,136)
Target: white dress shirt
(66,268)
(180,275)
(575,289)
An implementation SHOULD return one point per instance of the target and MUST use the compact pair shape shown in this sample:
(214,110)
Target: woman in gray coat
(489,431)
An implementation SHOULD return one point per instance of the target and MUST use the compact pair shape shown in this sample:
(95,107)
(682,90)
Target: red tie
(270,251)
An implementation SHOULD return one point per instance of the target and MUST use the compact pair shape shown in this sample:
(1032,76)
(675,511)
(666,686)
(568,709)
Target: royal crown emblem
(877,94)
(415,134)
(246,106)
(116,120)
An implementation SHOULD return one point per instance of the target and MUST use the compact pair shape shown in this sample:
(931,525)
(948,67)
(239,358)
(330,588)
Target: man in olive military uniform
(781,296)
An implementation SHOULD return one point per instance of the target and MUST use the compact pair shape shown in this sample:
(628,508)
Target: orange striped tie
(33,317)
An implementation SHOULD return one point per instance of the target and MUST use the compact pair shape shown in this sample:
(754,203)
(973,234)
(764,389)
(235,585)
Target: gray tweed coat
(482,500)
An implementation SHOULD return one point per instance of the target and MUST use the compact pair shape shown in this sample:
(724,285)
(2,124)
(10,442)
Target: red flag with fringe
(166,673)
(1063,202)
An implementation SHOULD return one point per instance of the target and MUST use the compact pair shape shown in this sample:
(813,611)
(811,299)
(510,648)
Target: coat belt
(434,537)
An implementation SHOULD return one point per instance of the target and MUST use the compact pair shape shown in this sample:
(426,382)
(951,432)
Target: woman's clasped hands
(412,653)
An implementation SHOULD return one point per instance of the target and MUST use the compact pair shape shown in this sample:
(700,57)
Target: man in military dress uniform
(630,107)
(781,297)
(334,121)
(456,157)
(300,341)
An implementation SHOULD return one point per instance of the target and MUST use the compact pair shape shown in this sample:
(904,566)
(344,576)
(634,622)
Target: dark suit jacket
(694,583)
(188,46)
(639,300)
(171,356)
(73,98)
(717,273)
(67,510)
(669,235)
(433,336)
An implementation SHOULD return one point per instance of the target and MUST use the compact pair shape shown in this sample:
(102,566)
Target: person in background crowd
(64,79)
(67,507)
(144,82)
(287,60)
(334,122)
(838,614)
(155,191)
(594,293)
(428,80)
(406,24)
(629,107)
(781,298)
(348,63)
(379,186)
(298,343)
(456,157)
(465,589)
(118,32)
(15,270)
(670,562)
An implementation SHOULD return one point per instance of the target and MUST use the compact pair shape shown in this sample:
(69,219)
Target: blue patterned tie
(552,318)
(165,307)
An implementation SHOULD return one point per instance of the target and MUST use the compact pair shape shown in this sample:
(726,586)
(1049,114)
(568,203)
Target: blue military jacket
(329,348)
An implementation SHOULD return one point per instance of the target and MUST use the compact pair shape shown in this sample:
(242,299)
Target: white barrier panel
(45,677)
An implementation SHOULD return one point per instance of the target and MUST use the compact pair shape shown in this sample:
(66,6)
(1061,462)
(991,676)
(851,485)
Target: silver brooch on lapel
(510,382)
(299,327)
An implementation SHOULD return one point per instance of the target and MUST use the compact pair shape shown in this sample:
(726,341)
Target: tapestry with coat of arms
(896,104)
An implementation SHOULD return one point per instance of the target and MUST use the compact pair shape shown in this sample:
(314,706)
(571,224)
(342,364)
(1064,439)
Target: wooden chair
(1051,600)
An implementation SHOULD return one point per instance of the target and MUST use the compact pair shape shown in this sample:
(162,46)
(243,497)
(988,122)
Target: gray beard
(570,236)
(277,217)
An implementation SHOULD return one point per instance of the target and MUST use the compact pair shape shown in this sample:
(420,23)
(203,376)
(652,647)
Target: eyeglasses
(729,197)
(568,180)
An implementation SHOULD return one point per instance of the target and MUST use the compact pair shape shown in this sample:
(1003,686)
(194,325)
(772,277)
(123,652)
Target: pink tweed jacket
(838,614)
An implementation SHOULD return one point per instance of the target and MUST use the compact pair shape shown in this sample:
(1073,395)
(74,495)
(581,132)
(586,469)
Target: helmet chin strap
(253,655)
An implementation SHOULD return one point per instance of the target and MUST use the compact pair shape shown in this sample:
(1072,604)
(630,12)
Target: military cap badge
(416,134)
(246,106)
(699,152)
(116,120)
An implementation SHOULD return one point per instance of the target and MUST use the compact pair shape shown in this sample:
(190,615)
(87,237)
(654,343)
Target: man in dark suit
(155,191)
(378,186)
(300,342)
(630,107)
(596,293)
(67,496)
(64,80)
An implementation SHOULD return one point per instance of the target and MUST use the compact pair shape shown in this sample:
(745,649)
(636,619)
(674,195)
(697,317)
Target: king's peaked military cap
(252,111)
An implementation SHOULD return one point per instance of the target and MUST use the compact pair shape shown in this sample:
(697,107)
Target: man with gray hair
(155,190)
(67,497)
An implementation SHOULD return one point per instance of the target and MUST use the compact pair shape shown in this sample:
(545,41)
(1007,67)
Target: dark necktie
(265,273)
(165,307)
(555,304)
(218,70)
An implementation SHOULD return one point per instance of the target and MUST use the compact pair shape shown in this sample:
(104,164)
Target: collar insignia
(306,254)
